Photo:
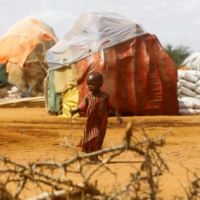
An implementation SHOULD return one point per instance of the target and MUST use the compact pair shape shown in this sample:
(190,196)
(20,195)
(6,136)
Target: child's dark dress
(97,108)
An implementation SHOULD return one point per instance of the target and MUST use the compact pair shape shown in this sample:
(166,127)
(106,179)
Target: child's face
(93,83)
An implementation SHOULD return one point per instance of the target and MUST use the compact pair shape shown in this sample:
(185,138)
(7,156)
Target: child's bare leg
(92,158)
(89,150)
(96,158)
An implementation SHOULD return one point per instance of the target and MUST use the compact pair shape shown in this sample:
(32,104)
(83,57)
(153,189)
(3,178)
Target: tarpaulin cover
(192,61)
(15,76)
(91,33)
(22,38)
(138,75)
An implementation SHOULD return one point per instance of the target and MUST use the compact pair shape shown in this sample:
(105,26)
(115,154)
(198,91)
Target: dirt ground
(30,134)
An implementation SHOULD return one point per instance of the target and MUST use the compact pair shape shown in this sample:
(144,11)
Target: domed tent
(138,74)
(192,62)
(23,54)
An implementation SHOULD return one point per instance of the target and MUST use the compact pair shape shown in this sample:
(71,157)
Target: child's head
(94,81)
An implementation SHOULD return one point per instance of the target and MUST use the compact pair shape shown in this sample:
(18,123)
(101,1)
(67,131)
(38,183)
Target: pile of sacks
(188,89)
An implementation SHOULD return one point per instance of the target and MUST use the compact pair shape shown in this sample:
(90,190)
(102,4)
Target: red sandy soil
(30,134)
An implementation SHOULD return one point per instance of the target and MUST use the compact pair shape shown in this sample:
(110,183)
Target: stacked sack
(188,90)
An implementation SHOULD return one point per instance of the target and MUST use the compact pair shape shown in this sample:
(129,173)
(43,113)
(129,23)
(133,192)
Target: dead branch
(54,176)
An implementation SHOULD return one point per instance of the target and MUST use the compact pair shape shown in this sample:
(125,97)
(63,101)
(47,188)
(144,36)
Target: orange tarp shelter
(21,39)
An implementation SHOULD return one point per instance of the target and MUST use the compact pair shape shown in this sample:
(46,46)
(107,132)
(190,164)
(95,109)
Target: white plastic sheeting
(192,61)
(92,32)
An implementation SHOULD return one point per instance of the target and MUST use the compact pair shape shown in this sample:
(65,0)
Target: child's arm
(81,108)
(75,111)
(119,119)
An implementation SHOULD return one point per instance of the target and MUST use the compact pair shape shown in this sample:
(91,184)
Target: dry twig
(54,177)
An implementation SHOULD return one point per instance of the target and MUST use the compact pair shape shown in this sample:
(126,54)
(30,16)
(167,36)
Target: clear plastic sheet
(92,32)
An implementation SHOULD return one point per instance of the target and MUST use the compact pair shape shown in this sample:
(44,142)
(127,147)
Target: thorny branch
(57,178)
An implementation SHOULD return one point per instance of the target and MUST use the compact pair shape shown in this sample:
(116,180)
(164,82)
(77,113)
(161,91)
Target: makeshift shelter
(138,74)
(192,62)
(23,54)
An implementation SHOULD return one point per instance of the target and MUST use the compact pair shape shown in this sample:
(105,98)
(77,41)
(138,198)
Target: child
(96,104)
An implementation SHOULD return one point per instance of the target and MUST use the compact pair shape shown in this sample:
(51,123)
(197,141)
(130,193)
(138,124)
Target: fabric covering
(65,78)
(3,75)
(90,33)
(69,101)
(62,82)
(15,76)
(138,75)
(22,38)
(54,99)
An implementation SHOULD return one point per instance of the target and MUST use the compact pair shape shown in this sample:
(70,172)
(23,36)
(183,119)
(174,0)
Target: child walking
(96,104)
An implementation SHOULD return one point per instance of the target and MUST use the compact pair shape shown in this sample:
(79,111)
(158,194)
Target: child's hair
(98,76)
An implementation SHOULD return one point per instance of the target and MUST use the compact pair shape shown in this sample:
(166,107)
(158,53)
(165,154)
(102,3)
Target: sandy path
(29,134)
